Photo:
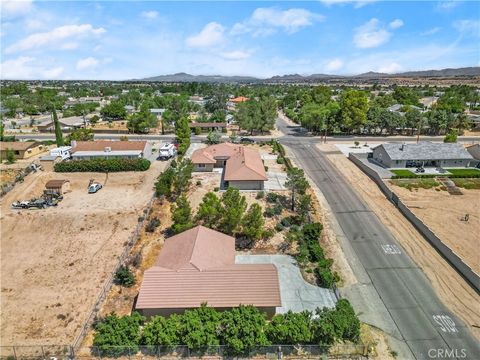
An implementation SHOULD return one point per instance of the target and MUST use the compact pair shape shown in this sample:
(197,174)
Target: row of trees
(240,329)
(227,214)
(355,111)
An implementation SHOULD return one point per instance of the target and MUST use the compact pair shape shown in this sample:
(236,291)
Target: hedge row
(103,165)
(240,330)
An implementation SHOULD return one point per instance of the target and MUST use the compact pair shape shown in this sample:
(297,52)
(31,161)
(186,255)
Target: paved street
(393,292)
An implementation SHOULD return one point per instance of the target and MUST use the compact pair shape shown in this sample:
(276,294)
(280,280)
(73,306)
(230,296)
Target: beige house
(198,266)
(21,149)
(87,150)
(243,167)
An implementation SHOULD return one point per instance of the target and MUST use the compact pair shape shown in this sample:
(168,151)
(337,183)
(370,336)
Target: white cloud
(447,5)
(468,26)
(334,65)
(390,68)
(357,3)
(24,67)
(88,63)
(13,9)
(236,55)
(431,31)
(264,21)
(149,14)
(211,34)
(54,36)
(371,34)
(395,24)
(69,46)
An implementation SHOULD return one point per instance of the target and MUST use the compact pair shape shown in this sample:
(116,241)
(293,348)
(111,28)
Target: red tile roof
(198,266)
(239,99)
(114,145)
(242,164)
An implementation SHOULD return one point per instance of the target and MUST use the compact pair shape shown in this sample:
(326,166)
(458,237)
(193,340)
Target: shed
(58,187)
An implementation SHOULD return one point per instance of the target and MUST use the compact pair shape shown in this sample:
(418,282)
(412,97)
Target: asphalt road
(298,134)
(429,329)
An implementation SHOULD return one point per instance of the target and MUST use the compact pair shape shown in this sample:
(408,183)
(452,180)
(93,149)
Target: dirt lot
(55,261)
(450,286)
(430,206)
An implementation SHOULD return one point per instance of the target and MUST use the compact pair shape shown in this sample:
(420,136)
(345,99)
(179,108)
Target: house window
(201,165)
(17,152)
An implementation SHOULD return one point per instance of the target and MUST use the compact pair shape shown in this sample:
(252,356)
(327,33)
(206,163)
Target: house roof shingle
(426,150)
(198,266)
(114,145)
(18,145)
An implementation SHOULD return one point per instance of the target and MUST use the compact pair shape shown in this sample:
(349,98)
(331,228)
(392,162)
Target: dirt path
(455,293)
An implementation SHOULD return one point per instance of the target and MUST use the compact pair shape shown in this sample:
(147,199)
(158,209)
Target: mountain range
(184,77)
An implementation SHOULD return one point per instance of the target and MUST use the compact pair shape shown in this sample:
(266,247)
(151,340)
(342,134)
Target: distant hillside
(184,77)
(290,78)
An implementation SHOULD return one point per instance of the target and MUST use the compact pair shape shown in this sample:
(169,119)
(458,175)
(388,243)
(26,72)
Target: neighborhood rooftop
(426,150)
(18,145)
(198,266)
(113,145)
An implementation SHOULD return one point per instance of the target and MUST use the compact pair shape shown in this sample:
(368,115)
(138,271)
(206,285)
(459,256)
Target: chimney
(108,149)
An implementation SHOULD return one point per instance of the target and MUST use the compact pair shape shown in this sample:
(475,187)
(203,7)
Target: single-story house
(197,100)
(208,126)
(67,124)
(243,167)
(57,187)
(158,112)
(232,103)
(21,149)
(424,153)
(198,266)
(87,150)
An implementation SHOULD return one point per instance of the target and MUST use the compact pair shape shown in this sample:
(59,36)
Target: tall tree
(58,129)
(353,109)
(142,122)
(209,211)
(183,133)
(234,206)
(253,222)
(183,175)
(296,182)
(181,215)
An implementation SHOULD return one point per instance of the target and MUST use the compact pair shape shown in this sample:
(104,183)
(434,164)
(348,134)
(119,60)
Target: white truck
(167,151)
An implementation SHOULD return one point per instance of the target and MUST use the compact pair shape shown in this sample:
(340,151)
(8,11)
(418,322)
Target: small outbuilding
(57,187)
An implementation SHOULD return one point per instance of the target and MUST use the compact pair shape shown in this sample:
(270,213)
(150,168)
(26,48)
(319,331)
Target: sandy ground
(431,207)
(55,261)
(451,287)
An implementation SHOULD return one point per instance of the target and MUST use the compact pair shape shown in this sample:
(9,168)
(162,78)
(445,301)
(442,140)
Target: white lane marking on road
(446,323)
(391,249)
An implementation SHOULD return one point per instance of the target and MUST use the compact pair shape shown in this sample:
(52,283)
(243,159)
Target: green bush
(279,227)
(280,160)
(267,233)
(260,195)
(103,165)
(269,212)
(272,197)
(124,277)
(197,131)
(116,336)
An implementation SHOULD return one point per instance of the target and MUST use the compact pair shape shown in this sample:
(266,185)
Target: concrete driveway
(297,295)
(276,180)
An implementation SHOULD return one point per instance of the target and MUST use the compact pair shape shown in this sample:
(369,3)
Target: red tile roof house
(244,167)
(86,150)
(198,266)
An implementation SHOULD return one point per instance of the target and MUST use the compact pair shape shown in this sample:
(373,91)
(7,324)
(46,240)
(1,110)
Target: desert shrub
(216,188)
(124,277)
(269,212)
(260,195)
(280,160)
(267,233)
(103,165)
(152,225)
(279,227)
(285,222)
(199,182)
(272,197)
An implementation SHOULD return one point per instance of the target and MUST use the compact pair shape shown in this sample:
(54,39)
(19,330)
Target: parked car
(94,187)
(246,140)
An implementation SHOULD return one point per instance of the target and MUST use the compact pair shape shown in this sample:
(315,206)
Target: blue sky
(133,39)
